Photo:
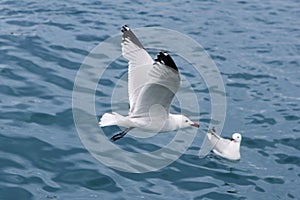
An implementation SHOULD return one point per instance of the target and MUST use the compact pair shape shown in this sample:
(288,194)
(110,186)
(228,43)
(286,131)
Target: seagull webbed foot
(117,136)
(120,135)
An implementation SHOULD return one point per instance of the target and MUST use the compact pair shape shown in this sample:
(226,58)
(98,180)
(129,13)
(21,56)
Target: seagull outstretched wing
(149,82)
(163,83)
(139,64)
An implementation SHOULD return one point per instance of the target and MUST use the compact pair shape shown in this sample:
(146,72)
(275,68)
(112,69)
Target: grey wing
(222,145)
(164,81)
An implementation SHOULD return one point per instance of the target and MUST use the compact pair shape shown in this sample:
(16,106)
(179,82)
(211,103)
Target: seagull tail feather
(110,119)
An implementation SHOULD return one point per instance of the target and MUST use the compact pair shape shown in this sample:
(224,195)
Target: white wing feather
(161,88)
(218,143)
(139,65)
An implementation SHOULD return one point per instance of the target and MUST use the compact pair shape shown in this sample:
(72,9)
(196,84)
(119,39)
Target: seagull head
(236,137)
(186,122)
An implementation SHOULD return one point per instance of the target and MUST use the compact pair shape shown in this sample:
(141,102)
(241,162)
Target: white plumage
(226,148)
(152,85)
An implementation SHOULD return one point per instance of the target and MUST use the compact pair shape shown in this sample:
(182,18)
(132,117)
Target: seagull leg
(120,135)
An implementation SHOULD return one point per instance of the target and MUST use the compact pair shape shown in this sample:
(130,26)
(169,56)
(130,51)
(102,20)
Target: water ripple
(255,45)
(90,179)
(287,159)
(8,192)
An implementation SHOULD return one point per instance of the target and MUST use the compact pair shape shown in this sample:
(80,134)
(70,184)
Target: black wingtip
(125,28)
(165,58)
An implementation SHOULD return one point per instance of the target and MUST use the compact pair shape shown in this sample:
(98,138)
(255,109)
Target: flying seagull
(226,148)
(152,85)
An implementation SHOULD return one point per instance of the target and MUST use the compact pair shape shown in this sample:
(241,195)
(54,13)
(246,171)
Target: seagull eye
(186,120)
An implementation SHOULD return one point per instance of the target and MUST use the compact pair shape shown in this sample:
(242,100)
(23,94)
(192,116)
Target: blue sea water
(256,46)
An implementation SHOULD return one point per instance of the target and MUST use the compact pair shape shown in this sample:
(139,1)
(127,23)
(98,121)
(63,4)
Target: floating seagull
(226,148)
(152,85)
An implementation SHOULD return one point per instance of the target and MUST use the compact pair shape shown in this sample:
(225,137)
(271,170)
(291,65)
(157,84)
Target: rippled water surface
(256,46)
